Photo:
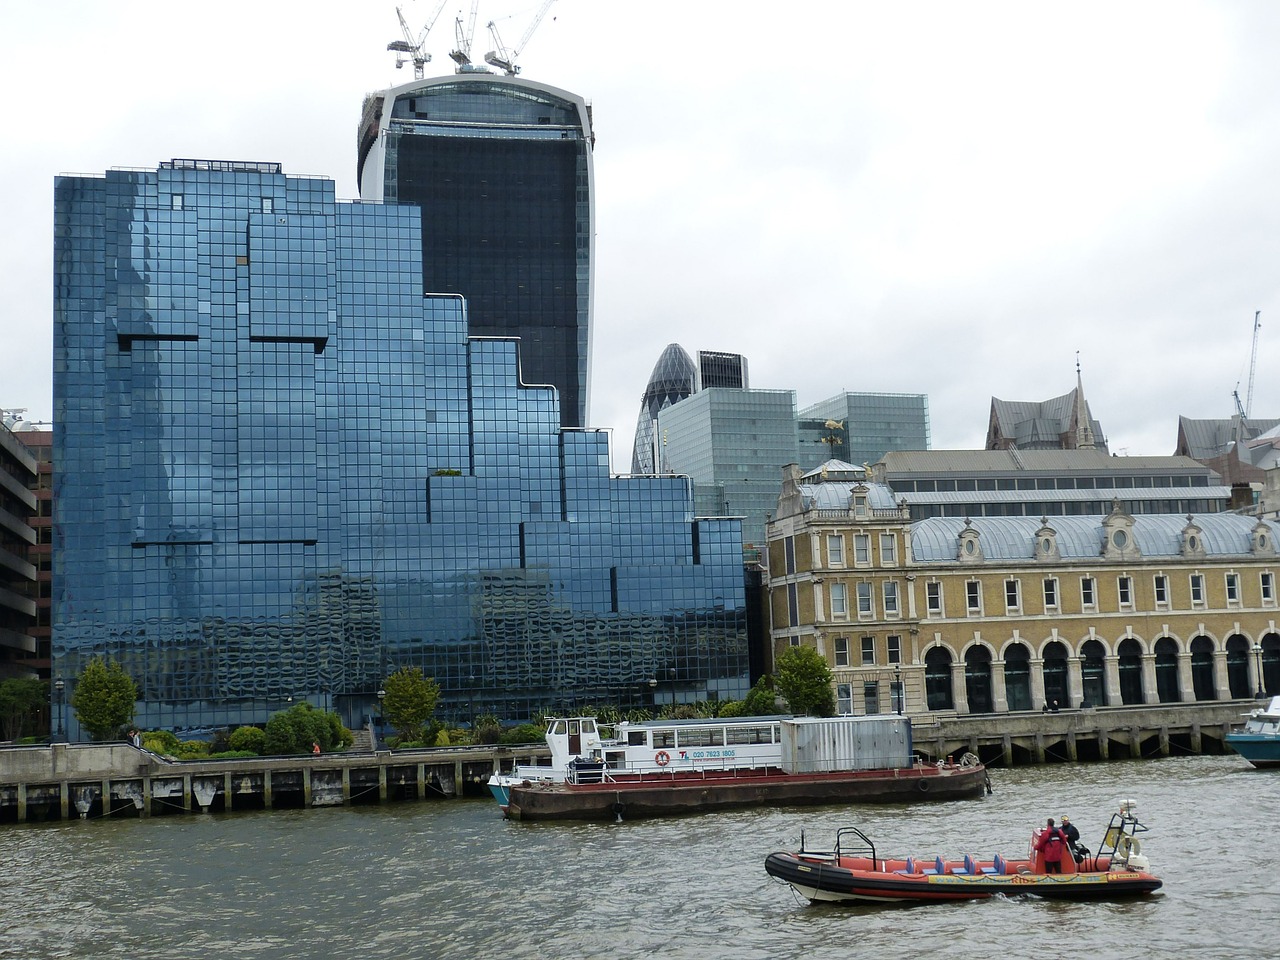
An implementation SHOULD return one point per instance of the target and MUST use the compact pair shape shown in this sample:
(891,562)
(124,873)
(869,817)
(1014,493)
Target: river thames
(452,879)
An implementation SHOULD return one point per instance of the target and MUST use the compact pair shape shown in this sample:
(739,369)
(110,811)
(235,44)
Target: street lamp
(897,682)
(1257,656)
(58,687)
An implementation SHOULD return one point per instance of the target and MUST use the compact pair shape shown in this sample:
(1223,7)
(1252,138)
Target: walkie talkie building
(502,170)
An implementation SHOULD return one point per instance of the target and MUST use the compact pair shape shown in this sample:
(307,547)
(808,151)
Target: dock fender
(923,785)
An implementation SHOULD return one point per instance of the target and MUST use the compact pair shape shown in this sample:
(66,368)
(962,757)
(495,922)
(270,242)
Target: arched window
(1130,668)
(1017,676)
(937,679)
(1203,685)
(1167,688)
(1093,672)
(1238,685)
(1055,674)
(977,679)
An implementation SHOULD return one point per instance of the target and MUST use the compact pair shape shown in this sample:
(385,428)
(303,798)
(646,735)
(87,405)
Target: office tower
(502,170)
(732,443)
(674,377)
(283,472)
(861,428)
(721,370)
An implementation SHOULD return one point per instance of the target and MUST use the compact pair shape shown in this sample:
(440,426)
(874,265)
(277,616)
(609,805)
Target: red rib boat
(852,872)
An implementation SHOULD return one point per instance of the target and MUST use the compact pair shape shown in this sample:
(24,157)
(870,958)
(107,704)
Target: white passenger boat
(656,746)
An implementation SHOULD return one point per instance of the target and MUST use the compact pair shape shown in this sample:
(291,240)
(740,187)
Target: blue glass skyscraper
(283,472)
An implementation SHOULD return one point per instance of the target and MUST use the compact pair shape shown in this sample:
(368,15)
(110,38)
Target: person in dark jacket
(1050,843)
(1073,840)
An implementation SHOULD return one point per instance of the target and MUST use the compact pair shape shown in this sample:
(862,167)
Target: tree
(410,701)
(20,701)
(296,729)
(761,700)
(104,698)
(804,680)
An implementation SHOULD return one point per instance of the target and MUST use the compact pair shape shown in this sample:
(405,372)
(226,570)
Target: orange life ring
(662,758)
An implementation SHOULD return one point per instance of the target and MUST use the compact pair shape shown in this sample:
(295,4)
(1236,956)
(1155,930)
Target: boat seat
(969,867)
(998,866)
(937,869)
(909,868)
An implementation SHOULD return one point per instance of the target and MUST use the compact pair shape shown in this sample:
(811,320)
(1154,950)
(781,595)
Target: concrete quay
(1095,733)
(67,780)
(85,780)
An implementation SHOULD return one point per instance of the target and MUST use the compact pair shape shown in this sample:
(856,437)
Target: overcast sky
(942,198)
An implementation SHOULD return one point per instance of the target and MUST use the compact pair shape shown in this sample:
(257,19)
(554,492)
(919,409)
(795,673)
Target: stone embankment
(68,780)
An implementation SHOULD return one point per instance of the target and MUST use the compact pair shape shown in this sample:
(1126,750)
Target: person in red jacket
(1051,844)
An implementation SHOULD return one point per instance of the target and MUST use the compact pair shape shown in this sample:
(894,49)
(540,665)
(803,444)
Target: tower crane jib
(1253,362)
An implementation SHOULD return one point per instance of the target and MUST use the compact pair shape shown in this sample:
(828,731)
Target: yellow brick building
(999,614)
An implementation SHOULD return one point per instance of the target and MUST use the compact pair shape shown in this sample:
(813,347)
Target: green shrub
(233,755)
(193,750)
(523,733)
(443,739)
(250,740)
(163,742)
(296,729)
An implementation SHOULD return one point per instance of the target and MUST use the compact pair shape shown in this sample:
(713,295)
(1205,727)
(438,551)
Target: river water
(452,879)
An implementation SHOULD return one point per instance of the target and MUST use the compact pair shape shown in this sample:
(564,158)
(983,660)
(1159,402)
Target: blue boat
(1259,741)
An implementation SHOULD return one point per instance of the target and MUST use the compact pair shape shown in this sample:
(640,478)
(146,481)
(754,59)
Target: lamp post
(382,695)
(1257,657)
(58,687)
(897,683)
(653,691)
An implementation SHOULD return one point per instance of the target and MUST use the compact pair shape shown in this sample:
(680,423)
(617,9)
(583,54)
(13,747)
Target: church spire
(1083,423)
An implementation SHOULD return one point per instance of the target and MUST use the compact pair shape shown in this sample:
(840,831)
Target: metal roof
(1013,538)
(900,463)
(1123,494)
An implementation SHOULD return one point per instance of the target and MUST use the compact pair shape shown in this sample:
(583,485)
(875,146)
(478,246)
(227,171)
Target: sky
(955,199)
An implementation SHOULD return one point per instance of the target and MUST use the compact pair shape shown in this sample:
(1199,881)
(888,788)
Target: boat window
(558,728)
(664,738)
(701,737)
(573,728)
(637,738)
(762,734)
(588,726)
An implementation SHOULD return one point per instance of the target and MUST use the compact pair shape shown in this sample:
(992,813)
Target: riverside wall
(68,780)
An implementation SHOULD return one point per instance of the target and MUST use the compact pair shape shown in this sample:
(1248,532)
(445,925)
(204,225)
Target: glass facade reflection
(502,170)
(282,472)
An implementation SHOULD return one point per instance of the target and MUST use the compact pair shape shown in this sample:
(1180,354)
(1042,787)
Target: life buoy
(662,758)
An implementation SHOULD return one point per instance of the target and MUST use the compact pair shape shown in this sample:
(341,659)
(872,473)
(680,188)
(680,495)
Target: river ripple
(453,880)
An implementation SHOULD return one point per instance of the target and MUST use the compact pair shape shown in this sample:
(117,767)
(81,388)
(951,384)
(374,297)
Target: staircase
(362,740)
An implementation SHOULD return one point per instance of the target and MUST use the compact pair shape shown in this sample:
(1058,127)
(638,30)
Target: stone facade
(1003,614)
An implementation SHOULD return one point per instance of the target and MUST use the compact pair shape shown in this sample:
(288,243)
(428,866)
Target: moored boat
(853,872)
(581,753)
(1259,741)
(678,767)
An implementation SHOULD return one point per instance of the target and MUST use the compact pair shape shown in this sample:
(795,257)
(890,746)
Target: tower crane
(1253,362)
(499,57)
(414,48)
(461,54)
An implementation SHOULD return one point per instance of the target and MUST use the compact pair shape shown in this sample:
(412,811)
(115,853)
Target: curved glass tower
(673,379)
(502,170)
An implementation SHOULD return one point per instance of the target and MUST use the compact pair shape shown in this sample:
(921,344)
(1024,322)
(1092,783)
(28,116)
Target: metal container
(826,745)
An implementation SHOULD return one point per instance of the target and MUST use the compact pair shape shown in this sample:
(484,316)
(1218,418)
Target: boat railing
(596,772)
(850,842)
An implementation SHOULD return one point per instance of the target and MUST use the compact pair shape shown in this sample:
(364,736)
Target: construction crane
(461,54)
(1253,362)
(499,57)
(414,48)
